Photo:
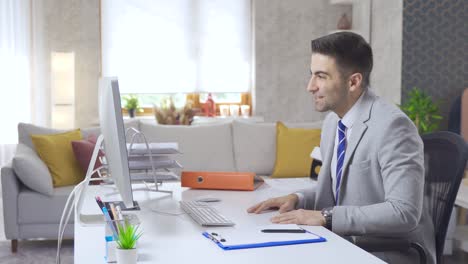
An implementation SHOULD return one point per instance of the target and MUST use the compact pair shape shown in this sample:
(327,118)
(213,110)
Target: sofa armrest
(10,190)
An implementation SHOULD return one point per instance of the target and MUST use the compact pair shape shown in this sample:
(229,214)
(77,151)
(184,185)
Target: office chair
(445,157)
(315,168)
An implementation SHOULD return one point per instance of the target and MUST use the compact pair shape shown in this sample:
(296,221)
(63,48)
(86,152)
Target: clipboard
(234,239)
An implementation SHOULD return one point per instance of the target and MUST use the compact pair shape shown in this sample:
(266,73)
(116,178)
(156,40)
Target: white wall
(283,31)
(73,26)
(386,42)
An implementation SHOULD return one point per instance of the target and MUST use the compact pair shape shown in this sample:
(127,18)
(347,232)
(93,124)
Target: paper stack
(153,161)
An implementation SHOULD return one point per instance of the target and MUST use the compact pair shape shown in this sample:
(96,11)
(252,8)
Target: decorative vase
(210,106)
(131,113)
(126,256)
(344,23)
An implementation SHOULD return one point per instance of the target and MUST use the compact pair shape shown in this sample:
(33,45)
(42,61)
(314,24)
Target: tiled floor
(36,252)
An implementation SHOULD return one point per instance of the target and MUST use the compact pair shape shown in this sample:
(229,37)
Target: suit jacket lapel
(324,196)
(358,132)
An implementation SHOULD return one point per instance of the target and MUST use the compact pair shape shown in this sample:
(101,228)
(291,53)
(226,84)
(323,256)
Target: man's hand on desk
(300,217)
(283,203)
(288,215)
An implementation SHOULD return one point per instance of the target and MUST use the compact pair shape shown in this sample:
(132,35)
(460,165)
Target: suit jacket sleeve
(400,157)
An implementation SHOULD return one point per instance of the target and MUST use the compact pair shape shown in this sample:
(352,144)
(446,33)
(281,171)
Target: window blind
(177,46)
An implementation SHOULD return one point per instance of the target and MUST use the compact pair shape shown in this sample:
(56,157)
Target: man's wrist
(295,198)
(327,214)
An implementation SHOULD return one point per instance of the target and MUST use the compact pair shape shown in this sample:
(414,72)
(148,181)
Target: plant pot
(131,113)
(126,256)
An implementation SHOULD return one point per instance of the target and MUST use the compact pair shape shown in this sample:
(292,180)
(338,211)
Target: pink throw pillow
(83,150)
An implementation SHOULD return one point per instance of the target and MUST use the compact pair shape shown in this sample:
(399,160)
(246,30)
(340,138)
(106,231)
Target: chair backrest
(445,156)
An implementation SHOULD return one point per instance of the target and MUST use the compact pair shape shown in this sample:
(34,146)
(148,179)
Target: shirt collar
(350,117)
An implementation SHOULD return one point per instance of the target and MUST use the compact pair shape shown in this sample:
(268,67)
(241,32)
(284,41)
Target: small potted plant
(423,111)
(132,104)
(128,236)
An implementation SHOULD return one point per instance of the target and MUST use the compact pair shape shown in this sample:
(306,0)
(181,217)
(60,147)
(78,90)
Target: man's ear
(355,82)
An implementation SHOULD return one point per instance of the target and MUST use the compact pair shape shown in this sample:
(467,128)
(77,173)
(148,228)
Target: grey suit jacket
(382,184)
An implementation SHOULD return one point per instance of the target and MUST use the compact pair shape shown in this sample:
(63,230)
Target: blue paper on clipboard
(233,239)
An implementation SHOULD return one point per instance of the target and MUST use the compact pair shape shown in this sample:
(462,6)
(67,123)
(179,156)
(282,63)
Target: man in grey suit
(372,177)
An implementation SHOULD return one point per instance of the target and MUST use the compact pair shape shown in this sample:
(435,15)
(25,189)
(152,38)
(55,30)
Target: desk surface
(177,238)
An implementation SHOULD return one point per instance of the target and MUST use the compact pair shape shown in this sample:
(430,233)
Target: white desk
(178,239)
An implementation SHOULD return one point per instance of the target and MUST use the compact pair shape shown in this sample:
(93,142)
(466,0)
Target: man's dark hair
(350,51)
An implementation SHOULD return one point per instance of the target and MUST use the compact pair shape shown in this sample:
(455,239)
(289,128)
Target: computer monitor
(113,131)
(115,147)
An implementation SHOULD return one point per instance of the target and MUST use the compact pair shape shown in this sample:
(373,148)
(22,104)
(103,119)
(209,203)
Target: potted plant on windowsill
(128,236)
(132,104)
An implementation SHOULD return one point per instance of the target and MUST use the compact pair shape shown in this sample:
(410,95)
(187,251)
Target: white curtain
(159,46)
(22,99)
(15,71)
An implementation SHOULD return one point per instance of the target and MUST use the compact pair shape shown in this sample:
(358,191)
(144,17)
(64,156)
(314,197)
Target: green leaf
(421,109)
(131,101)
(128,235)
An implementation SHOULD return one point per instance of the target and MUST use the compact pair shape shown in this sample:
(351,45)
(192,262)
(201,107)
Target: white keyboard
(204,214)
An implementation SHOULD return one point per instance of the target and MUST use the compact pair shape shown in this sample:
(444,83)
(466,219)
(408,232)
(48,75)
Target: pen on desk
(114,211)
(114,217)
(99,202)
(283,231)
(119,212)
(109,222)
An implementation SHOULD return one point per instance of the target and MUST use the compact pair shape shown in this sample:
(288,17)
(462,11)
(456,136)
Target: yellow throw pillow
(57,153)
(293,148)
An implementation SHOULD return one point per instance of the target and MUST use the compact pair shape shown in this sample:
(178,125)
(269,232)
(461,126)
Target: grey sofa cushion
(31,170)
(254,147)
(128,123)
(26,130)
(205,148)
(255,144)
(36,208)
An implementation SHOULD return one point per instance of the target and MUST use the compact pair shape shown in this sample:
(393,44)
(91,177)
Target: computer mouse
(207,199)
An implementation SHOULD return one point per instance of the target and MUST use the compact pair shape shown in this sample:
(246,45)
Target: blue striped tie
(340,155)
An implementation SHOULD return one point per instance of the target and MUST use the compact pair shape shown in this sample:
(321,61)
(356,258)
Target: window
(151,100)
(177,46)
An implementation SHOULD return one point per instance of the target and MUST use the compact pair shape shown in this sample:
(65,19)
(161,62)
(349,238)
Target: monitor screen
(113,131)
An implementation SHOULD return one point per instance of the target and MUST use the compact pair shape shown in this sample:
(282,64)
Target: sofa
(224,146)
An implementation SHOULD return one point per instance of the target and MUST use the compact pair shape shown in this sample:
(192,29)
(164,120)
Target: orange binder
(243,181)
